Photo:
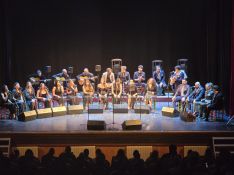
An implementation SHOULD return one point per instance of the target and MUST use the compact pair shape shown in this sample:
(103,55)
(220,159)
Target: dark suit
(216,104)
(181,92)
(197,94)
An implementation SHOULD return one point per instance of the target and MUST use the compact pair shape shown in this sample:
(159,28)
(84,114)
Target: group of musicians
(110,85)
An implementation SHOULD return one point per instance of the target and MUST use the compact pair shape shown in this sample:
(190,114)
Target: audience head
(86,152)
(51,151)
(216,89)
(173,149)
(136,154)
(67,149)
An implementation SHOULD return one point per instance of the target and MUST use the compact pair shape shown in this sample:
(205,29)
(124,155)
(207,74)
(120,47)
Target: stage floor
(77,123)
(72,129)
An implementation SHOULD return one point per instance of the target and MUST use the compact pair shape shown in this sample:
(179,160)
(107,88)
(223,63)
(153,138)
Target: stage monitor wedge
(27,116)
(187,117)
(44,113)
(143,109)
(95,109)
(170,112)
(59,111)
(132,125)
(96,125)
(75,109)
(120,108)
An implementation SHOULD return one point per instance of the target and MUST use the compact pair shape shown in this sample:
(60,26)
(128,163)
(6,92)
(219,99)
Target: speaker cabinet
(95,109)
(132,125)
(27,116)
(169,112)
(187,116)
(120,108)
(75,109)
(96,125)
(143,109)
(59,111)
(44,113)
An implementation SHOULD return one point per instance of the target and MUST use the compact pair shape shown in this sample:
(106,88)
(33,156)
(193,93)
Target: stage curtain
(232,66)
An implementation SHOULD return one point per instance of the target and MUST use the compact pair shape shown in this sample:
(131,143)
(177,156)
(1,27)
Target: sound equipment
(120,108)
(44,113)
(75,109)
(187,116)
(95,109)
(96,125)
(169,112)
(98,68)
(59,111)
(116,65)
(143,109)
(27,116)
(132,125)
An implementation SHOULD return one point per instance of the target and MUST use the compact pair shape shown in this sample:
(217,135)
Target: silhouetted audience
(67,164)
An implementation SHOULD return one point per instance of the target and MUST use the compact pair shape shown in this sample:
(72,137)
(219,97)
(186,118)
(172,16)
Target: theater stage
(72,129)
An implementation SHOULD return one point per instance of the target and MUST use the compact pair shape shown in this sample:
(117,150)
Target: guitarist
(37,78)
(85,75)
(176,78)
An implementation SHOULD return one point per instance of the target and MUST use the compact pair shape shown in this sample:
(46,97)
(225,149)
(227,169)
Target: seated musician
(5,101)
(181,94)
(196,96)
(124,76)
(117,90)
(132,94)
(103,93)
(62,77)
(43,95)
(57,93)
(88,92)
(85,75)
(209,94)
(151,90)
(18,98)
(216,102)
(30,97)
(176,78)
(159,76)
(108,76)
(37,78)
(72,91)
(139,79)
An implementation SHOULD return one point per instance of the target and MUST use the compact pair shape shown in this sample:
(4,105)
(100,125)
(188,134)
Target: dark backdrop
(89,32)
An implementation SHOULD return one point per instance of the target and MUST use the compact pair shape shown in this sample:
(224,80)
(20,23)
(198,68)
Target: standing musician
(30,97)
(88,92)
(103,93)
(18,97)
(57,93)
(181,94)
(85,75)
(176,78)
(124,76)
(159,76)
(139,79)
(37,78)
(71,92)
(5,101)
(151,90)
(44,96)
(132,94)
(117,90)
